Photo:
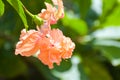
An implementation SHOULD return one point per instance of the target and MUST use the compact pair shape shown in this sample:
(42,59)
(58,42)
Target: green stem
(30,14)
(38,21)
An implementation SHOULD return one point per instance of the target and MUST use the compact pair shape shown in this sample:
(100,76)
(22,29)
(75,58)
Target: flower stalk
(38,21)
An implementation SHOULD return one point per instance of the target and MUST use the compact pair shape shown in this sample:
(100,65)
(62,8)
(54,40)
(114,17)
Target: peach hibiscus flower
(52,13)
(51,46)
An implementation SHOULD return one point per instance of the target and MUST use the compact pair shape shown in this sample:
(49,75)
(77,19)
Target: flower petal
(54,48)
(27,44)
(52,14)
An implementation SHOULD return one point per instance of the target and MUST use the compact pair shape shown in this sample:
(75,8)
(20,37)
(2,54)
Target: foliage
(93,25)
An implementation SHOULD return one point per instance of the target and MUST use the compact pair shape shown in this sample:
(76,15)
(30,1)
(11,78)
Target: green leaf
(94,68)
(100,42)
(64,66)
(110,50)
(78,25)
(113,18)
(111,32)
(11,65)
(112,53)
(18,6)
(84,7)
(108,7)
(107,33)
(73,73)
(1,8)
(105,40)
(43,69)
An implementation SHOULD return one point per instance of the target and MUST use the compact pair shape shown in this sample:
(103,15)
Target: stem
(30,14)
(38,21)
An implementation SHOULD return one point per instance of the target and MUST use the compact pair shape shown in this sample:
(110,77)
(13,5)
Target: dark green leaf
(18,6)
(64,66)
(110,49)
(1,8)
(112,53)
(42,69)
(11,65)
(94,68)
(84,7)
(79,26)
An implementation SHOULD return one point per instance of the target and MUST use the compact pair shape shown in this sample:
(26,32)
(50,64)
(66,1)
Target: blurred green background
(94,26)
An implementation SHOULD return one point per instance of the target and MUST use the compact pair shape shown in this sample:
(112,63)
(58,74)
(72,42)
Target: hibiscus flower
(50,45)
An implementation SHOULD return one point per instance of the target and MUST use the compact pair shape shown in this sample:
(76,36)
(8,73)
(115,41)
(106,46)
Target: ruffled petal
(52,13)
(27,44)
(54,47)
